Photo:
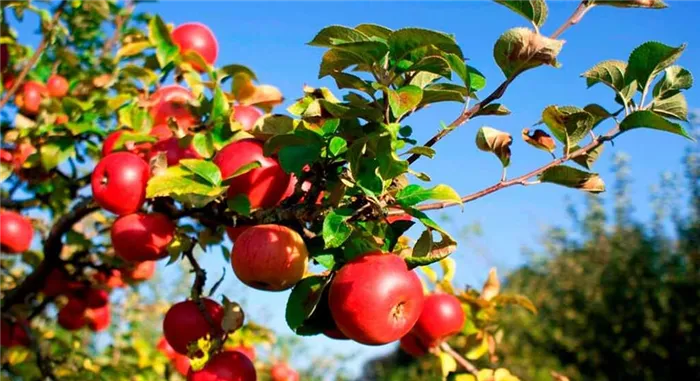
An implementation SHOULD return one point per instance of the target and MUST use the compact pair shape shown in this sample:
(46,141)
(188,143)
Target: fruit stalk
(460,360)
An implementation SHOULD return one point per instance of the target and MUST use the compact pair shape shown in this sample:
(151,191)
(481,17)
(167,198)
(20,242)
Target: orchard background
(491,231)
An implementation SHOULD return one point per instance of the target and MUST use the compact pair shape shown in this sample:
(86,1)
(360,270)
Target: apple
(174,152)
(269,257)
(283,372)
(398,217)
(412,345)
(225,366)
(119,182)
(264,186)
(29,99)
(181,363)
(375,299)
(335,333)
(442,317)
(142,237)
(248,351)
(12,334)
(96,298)
(140,271)
(8,80)
(234,232)
(61,119)
(185,324)
(6,156)
(194,36)
(72,315)
(98,319)
(113,279)
(58,283)
(16,232)
(246,116)
(171,101)
(57,86)
(166,349)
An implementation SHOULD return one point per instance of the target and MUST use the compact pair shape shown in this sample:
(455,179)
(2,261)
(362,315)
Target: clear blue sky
(270,38)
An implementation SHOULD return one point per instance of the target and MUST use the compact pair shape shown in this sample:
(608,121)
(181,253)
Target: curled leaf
(539,139)
(492,286)
(520,49)
(233,316)
(492,140)
(573,178)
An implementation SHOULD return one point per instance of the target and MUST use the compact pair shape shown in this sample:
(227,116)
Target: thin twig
(460,360)
(32,61)
(118,25)
(578,14)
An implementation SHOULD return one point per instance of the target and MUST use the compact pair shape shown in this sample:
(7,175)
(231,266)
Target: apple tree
(127,143)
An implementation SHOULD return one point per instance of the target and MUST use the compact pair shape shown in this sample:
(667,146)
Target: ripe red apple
(140,271)
(199,38)
(96,298)
(166,349)
(264,186)
(283,372)
(72,315)
(226,366)
(29,99)
(248,351)
(142,237)
(16,232)
(12,334)
(57,86)
(246,116)
(58,283)
(181,363)
(234,232)
(412,345)
(442,317)
(98,319)
(174,152)
(5,156)
(375,299)
(185,324)
(8,80)
(119,182)
(398,217)
(269,257)
(171,101)
(113,279)
(140,149)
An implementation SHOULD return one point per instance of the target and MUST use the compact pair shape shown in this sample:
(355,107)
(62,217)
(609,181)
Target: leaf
(233,316)
(325,260)
(183,185)
(239,204)
(578,125)
(426,251)
(568,124)
(539,139)
(589,158)
(533,10)
(675,79)
(573,178)
(520,49)
(650,119)
(413,194)
(335,228)
(493,109)
(334,35)
(648,60)
(219,106)
(230,71)
(203,144)
(349,81)
(294,158)
(206,170)
(491,287)
(133,48)
(458,65)
(407,43)
(610,73)
(303,300)
(56,151)
(404,100)
(599,113)
(245,169)
(271,125)
(369,52)
(335,60)
(434,96)
(337,145)
(421,150)
(655,4)
(675,107)
(433,64)
(518,300)
(477,81)
(159,35)
(498,142)
(373,30)
(447,364)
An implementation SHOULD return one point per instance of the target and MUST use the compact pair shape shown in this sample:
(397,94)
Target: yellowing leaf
(492,286)
(498,142)
(481,349)
(447,364)
(16,355)
(520,49)
(449,267)
(233,316)
(539,139)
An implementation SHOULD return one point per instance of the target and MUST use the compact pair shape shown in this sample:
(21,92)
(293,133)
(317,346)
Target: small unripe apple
(269,257)
(12,334)
(57,86)
(98,319)
(185,324)
(16,232)
(29,99)
(181,363)
(412,345)
(166,349)
(283,372)
(442,317)
(264,186)
(119,182)
(72,315)
(171,102)
(196,37)
(142,237)
(225,366)
(141,271)
(246,116)
(375,299)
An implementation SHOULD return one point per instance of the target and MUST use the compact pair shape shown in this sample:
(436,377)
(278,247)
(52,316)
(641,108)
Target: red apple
(375,299)
(8,80)
(225,366)
(98,319)
(58,283)
(6,156)
(181,363)
(196,37)
(412,345)
(166,349)
(264,186)
(140,271)
(174,152)
(335,333)
(119,182)
(283,372)
(246,116)
(234,232)
(171,101)
(12,334)
(246,350)
(57,86)
(398,217)
(113,279)
(61,119)
(29,99)
(72,315)
(442,317)
(185,324)
(269,257)
(142,237)
(96,298)
(16,232)
(140,149)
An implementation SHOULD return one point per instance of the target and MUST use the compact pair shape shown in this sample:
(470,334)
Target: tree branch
(43,363)
(32,61)
(118,24)
(459,359)
(581,10)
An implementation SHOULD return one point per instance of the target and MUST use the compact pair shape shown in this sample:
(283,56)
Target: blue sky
(270,38)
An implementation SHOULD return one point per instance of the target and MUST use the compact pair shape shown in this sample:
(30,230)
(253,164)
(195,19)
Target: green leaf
(424,79)
(520,49)
(612,74)
(599,113)
(477,81)
(458,65)
(648,60)
(335,35)
(183,185)
(239,204)
(304,298)
(426,251)
(431,96)
(206,170)
(650,119)
(203,144)
(412,43)
(294,158)
(330,126)
(493,109)
(675,107)
(349,81)
(414,194)
(271,125)
(421,150)
(587,160)
(244,169)
(675,79)
(354,155)
(159,35)
(568,124)
(533,10)
(573,178)
(433,64)
(219,106)
(370,52)
(133,48)
(230,71)
(578,125)
(373,30)
(55,151)
(337,145)
(335,60)
(131,137)
(498,142)
(335,228)
(404,100)
(390,165)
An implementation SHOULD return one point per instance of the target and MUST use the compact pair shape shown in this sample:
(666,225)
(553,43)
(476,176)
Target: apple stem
(459,359)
